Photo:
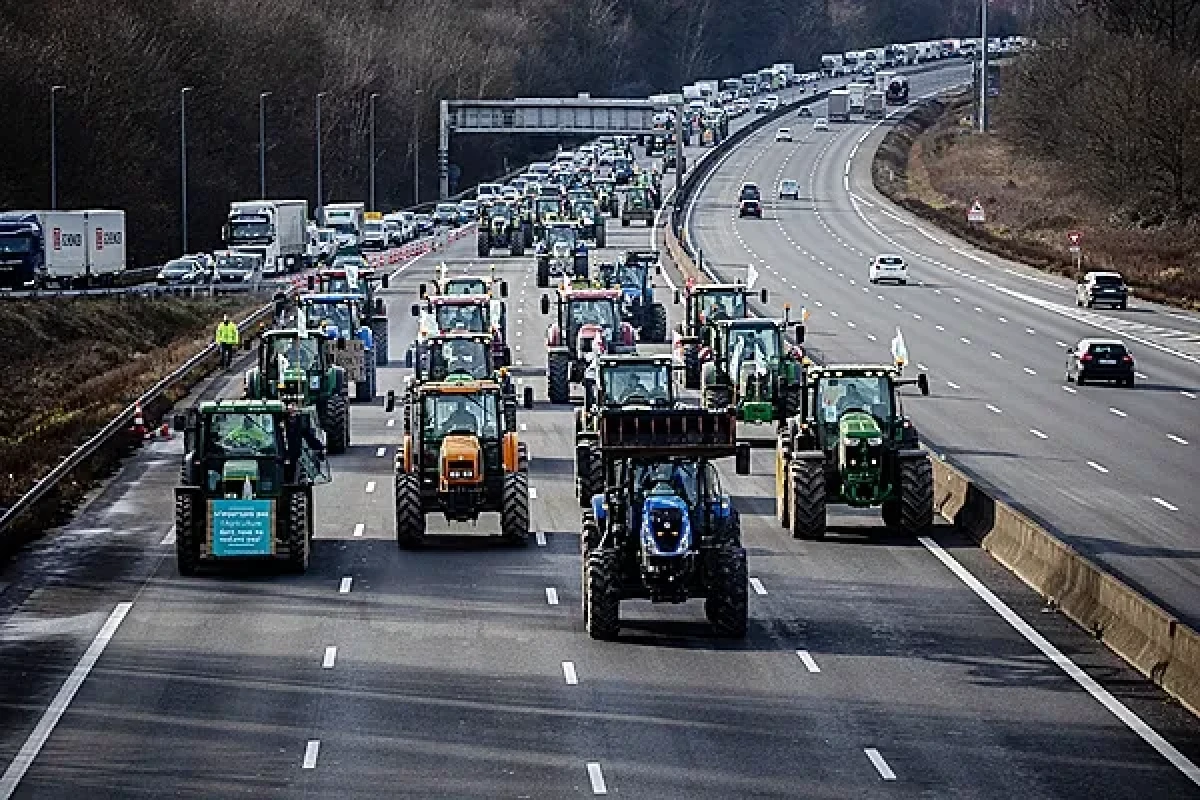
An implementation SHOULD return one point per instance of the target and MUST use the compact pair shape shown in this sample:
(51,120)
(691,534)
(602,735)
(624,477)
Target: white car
(783,135)
(804,111)
(789,188)
(820,124)
(888,267)
(772,102)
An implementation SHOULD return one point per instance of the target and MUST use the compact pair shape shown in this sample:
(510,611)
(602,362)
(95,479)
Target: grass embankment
(73,364)
(933,165)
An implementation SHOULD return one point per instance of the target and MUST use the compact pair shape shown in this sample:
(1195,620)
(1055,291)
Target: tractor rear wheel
(589,475)
(514,510)
(657,327)
(603,591)
(410,517)
(296,536)
(808,498)
(543,273)
(558,378)
(379,333)
(601,234)
(335,422)
(187,544)
(891,514)
(484,242)
(726,604)
(916,495)
(691,367)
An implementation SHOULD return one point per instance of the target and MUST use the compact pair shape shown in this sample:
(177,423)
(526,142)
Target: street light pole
(183,93)
(983,66)
(417,149)
(262,144)
(54,90)
(371,103)
(319,194)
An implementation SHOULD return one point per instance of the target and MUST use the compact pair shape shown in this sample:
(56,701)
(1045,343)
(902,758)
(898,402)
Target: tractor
(464,356)
(246,484)
(546,210)
(347,277)
(852,444)
(588,326)
(621,381)
(500,226)
(297,367)
(443,284)
(662,528)
(459,457)
(467,313)
(337,316)
(589,219)
(637,203)
(753,369)
(633,275)
(605,190)
(704,304)
(561,253)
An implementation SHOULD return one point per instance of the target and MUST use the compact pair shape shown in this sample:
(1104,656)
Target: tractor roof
(590,294)
(460,336)
(635,360)
(460,299)
(242,406)
(751,323)
(365,273)
(705,288)
(474,386)
(851,370)
(331,298)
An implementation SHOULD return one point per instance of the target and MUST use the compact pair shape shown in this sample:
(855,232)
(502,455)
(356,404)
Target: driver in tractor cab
(463,317)
(462,418)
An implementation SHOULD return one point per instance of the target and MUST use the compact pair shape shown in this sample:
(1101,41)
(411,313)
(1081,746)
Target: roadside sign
(1075,249)
(976,213)
(1074,237)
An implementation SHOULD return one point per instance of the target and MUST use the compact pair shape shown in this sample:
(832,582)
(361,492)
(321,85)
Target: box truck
(858,96)
(873,107)
(274,230)
(347,220)
(61,248)
(839,105)
(882,79)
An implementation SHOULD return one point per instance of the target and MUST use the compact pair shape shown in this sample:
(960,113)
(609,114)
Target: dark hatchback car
(1102,288)
(750,201)
(1100,360)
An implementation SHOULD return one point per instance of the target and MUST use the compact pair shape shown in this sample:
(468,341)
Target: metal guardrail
(119,423)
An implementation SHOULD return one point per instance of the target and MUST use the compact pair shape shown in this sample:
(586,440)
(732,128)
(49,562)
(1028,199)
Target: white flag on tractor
(899,351)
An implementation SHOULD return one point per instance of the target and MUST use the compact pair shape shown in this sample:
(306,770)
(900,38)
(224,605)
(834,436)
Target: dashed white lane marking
(1101,695)
(551,596)
(833,313)
(1117,411)
(996,355)
(58,706)
(568,668)
(311,750)
(540,538)
(532,493)
(1029,371)
(169,539)
(524,427)
(922,367)
(880,765)
(1188,395)
(359,528)
(993,409)
(953,385)
(1002,320)
(1068,389)
(871,336)
(344,587)
(380,452)
(1177,439)
(1098,467)
(850,324)
(978,309)
(596,777)
(330,657)
(808,661)
(1165,504)
(939,327)
(757,586)
(391,423)
(1038,433)
(370,487)
(1140,376)
(1060,344)
(964,340)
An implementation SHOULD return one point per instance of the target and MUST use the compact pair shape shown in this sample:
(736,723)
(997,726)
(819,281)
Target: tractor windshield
(324,315)
(722,305)
(585,209)
(241,434)
(547,206)
(293,353)
(446,414)
(632,273)
(640,384)
(561,233)
(837,395)
(600,312)
(457,286)
(462,357)
(636,199)
(453,317)
(665,478)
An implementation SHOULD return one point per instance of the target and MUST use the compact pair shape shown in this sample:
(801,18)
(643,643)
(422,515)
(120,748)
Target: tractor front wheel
(187,544)
(379,333)
(726,604)
(589,474)
(916,496)
(808,498)
(603,591)
(514,511)
(543,273)
(601,234)
(657,327)
(335,422)
(410,517)
(297,536)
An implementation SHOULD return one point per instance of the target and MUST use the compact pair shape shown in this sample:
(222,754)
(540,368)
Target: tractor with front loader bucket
(296,366)
(753,369)
(851,444)
(246,484)
(445,357)
(588,324)
(661,527)
(357,278)
(460,458)
(634,276)
(339,318)
(704,305)
(561,252)
(500,226)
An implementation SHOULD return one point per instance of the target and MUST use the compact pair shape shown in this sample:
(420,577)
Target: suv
(788,188)
(1102,287)
(783,135)
(887,267)
(1100,360)
(750,201)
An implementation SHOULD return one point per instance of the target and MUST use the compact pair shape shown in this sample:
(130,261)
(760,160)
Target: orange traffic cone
(139,421)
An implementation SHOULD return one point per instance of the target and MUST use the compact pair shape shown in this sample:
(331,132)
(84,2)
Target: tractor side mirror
(504,288)
(247,345)
(763,296)
(312,282)
(379,309)
(528,397)
(416,309)
(658,269)
(390,404)
(545,304)
(385,280)
(799,333)
(676,297)
(179,422)
(741,458)
(923,383)
(421,290)
(341,343)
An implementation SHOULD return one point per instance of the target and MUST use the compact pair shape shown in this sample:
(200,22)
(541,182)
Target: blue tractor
(634,276)
(338,317)
(663,529)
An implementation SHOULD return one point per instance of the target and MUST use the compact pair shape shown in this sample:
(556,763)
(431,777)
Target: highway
(461,670)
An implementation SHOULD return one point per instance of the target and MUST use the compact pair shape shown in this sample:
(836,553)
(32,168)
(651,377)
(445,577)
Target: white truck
(709,89)
(61,248)
(274,230)
(839,105)
(873,107)
(858,96)
(830,64)
(692,93)
(788,70)
(882,79)
(347,219)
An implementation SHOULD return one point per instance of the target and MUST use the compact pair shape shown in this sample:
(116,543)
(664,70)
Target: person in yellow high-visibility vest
(227,340)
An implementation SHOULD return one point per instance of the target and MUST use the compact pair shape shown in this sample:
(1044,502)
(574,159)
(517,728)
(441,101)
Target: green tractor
(852,444)
(704,305)
(246,485)
(500,225)
(444,357)
(754,369)
(588,217)
(637,205)
(605,190)
(660,527)
(621,381)
(297,367)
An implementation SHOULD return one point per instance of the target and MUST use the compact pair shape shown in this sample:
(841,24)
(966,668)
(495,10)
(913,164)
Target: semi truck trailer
(66,249)
(274,230)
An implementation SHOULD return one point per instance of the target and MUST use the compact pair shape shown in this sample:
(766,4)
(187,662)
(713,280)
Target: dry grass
(935,166)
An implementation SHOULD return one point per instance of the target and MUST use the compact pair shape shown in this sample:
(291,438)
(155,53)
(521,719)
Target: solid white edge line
(569,674)
(58,706)
(330,657)
(809,663)
(170,537)
(1165,504)
(311,751)
(380,452)
(881,766)
(596,777)
(1098,692)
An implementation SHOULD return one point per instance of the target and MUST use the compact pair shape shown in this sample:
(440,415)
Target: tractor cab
(635,381)
(561,252)
(466,313)
(444,285)
(454,357)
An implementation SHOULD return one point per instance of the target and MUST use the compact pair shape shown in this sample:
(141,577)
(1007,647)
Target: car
(1100,360)
(425,224)
(887,267)
(820,124)
(185,271)
(772,102)
(762,106)
(237,267)
(467,211)
(445,215)
(1096,288)
(783,135)
(750,201)
(804,111)
(789,188)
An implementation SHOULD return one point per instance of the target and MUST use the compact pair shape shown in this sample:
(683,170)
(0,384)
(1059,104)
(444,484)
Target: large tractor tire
(297,536)
(379,334)
(727,603)
(516,245)
(808,498)
(916,496)
(589,474)
(335,421)
(543,273)
(484,243)
(410,517)
(514,509)
(656,328)
(187,542)
(601,234)
(691,367)
(558,378)
(603,591)
(364,390)
(580,267)
(527,234)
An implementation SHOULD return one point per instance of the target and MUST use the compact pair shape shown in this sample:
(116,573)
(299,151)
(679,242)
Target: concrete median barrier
(1157,644)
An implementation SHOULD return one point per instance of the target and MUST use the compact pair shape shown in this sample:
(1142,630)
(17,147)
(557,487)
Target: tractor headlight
(875,441)
(462,473)
(849,442)
(314,382)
